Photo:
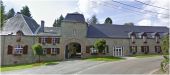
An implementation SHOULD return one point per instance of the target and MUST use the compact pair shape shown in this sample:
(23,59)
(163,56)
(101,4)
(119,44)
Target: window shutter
(107,48)
(87,49)
(10,49)
(58,50)
(49,40)
(130,49)
(25,49)
(142,49)
(57,40)
(48,50)
(39,40)
(147,48)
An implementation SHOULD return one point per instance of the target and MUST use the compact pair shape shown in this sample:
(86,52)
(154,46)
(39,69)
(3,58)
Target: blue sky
(48,10)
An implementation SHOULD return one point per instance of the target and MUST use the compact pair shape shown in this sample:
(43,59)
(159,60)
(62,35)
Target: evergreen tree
(57,23)
(10,13)
(25,11)
(93,20)
(2,16)
(108,21)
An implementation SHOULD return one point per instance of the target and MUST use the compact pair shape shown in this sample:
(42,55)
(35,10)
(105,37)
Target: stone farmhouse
(21,32)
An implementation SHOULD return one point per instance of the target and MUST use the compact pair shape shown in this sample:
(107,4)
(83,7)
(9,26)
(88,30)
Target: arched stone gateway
(73,50)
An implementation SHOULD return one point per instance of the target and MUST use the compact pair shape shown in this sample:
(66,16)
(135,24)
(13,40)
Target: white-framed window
(157,39)
(93,50)
(53,50)
(18,49)
(44,51)
(43,39)
(133,39)
(144,38)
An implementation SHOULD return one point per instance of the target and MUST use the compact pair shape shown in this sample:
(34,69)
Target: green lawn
(103,58)
(24,66)
(145,55)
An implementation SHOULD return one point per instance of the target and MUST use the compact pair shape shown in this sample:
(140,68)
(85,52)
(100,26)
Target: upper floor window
(132,36)
(144,37)
(18,49)
(55,40)
(157,37)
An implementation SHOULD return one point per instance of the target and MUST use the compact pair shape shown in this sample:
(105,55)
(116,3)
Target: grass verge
(24,66)
(144,55)
(103,58)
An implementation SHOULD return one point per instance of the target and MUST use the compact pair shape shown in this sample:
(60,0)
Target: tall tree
(38,50)
(10,13)
(25,11)
(2,16)
(108,20)
(165,44)
(57,23)
(129,24)
(93,20)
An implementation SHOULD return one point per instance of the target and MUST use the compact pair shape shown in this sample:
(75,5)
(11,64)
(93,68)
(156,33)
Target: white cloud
(145,22)
(159,19)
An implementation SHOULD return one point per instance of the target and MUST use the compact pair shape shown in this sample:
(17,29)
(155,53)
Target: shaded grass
(144,55)
(24,66)
(103,58)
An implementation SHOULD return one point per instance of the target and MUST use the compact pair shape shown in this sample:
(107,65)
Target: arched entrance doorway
(73,50)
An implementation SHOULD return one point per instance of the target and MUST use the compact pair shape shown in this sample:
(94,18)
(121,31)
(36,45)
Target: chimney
(42,25)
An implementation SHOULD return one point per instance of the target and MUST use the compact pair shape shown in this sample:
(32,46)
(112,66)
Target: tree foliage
(165,44)
(38,50)
(57,23)
(129,24)
(10,13)
(25,11)
(100,45)
(92,20)
(2,16)
(108,20)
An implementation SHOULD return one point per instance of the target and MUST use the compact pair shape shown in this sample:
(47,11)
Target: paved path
(130,66)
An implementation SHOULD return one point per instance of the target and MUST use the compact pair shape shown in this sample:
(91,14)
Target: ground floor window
(118,51)
(93,50)
(18,49)
(158,49)
(145,49)
(52,51)
(133,49)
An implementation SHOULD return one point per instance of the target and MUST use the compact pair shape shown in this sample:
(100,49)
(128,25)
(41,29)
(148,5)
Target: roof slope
(20,22)
(121,31)
(74,17)
(51,31)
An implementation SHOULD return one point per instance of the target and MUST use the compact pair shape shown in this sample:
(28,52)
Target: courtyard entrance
(73,50)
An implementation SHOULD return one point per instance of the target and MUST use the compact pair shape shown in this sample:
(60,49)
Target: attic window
(19,34)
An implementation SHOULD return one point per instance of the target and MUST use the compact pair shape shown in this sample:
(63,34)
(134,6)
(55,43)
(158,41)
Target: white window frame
(53,50)
(44,51)
(43,39)
(93,50)
(118,51)
(18,49)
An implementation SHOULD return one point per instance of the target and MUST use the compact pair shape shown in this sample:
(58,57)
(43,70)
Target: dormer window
(19,34)
(144,37)
(157,37)
(132,36)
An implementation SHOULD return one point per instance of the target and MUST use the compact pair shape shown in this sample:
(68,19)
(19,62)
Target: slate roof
(51,31)
(74,17)
(20,22)
(122,31)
